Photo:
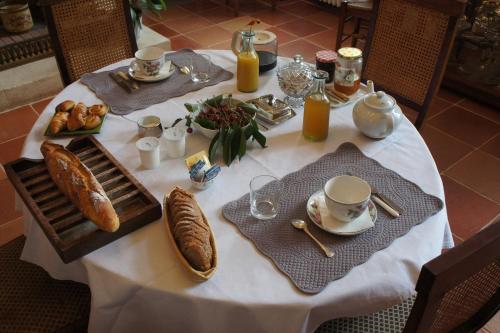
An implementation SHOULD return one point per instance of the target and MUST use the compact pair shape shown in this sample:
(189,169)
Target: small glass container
(295,79)
(266,46)
(325,61)
(348,70)
(316,121)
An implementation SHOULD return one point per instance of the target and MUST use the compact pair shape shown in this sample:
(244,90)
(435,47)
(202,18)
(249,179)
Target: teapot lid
(379,100)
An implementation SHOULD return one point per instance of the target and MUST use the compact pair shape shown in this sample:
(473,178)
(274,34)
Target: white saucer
(166,71)
(318,213)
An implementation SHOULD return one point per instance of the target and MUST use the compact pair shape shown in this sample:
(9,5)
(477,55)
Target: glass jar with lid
(348,70)
(295,79)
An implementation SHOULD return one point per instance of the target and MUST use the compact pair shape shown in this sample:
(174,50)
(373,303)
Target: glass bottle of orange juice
(247,71)
(316,110)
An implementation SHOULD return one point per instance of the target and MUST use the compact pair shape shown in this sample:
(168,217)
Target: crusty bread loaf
(78,183)
(190,230)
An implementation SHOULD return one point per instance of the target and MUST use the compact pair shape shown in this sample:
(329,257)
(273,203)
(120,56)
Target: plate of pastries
(75,118)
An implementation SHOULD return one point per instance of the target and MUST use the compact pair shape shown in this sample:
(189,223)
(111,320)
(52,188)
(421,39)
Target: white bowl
(202,185)
(347,197)
(209,133)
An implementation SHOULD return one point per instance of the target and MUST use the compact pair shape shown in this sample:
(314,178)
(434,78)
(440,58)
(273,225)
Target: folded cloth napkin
(331,223)
(149,93)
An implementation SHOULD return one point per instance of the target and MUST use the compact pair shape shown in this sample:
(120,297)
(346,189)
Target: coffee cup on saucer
(346,197)
(148,61)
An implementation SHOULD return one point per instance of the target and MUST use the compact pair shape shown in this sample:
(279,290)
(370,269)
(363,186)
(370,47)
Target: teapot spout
(371,86)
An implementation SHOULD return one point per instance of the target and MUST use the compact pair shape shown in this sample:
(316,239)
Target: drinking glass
(265,193)
(200,68)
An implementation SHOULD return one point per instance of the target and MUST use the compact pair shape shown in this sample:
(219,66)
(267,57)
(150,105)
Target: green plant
(234,122)
(136,8)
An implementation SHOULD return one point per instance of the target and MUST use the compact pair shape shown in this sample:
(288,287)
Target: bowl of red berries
(228,122)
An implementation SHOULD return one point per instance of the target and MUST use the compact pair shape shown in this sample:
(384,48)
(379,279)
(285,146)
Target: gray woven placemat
(123,102)
(293,251)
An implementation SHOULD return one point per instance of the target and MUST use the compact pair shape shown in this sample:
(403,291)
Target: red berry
(189,130)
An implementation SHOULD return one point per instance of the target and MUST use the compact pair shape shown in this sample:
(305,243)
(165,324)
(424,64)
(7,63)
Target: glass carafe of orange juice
(247,72)
(316,110)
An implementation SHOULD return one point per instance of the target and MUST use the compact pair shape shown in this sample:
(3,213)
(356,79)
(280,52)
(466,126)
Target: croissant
(58,122)
(77,118)
(65,106)
(92,121)
(99,109)
(190,230)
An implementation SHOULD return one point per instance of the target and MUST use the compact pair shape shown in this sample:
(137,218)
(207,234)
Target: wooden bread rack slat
(71,234)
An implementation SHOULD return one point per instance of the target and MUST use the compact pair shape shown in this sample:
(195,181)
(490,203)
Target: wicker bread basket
(196,274)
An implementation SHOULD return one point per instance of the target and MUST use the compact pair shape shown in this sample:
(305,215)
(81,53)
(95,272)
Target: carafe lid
(263,37)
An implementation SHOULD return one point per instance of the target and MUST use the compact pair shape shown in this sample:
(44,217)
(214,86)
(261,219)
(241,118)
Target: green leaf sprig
(234,131)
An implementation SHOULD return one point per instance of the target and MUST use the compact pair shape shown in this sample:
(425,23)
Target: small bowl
(202,185)
(209,133)
(347,197)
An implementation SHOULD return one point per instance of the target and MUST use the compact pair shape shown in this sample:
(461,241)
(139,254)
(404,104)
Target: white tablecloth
(137,283)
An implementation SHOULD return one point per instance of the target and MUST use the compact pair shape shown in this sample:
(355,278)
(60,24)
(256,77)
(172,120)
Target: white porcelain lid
(380,100)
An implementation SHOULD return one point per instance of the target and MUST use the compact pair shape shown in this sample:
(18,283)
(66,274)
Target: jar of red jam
(348,70)
(325,61)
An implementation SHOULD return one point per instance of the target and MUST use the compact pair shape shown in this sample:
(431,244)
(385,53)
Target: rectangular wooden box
(71,234)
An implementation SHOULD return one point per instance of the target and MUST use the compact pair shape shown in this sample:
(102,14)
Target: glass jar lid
(263,37)
(350,53)
(296,68)
(326,56)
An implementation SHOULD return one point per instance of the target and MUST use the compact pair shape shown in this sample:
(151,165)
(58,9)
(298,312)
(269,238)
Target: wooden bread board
(71,234)
(195,274)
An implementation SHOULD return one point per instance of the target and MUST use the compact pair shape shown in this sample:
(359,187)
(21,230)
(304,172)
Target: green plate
(94,130)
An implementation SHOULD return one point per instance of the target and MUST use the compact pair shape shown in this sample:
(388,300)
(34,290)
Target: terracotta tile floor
(463,135)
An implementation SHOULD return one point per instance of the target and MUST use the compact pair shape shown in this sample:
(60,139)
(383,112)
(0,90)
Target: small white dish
(319,215)
(165,72)
(362,91)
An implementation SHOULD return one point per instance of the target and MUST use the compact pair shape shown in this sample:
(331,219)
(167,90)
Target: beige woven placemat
(149,93)
(294,253)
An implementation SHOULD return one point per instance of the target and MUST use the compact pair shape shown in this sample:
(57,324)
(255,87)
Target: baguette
(191,233)
(78,183)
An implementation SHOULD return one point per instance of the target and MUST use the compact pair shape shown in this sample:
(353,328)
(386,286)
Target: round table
(137,282)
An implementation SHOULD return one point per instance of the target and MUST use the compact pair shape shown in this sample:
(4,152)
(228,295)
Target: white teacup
(149,60)
(346,197)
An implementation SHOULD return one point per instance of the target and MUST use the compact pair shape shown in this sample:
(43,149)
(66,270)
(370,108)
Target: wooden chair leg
(236,7)
(355,33)
(340,28)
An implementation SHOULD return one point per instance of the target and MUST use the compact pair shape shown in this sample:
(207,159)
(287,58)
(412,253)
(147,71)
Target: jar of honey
(348,70)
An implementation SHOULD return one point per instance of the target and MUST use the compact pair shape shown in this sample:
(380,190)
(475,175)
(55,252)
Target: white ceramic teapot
(377,114)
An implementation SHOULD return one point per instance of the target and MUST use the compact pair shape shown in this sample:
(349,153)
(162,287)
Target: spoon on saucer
(299,224)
